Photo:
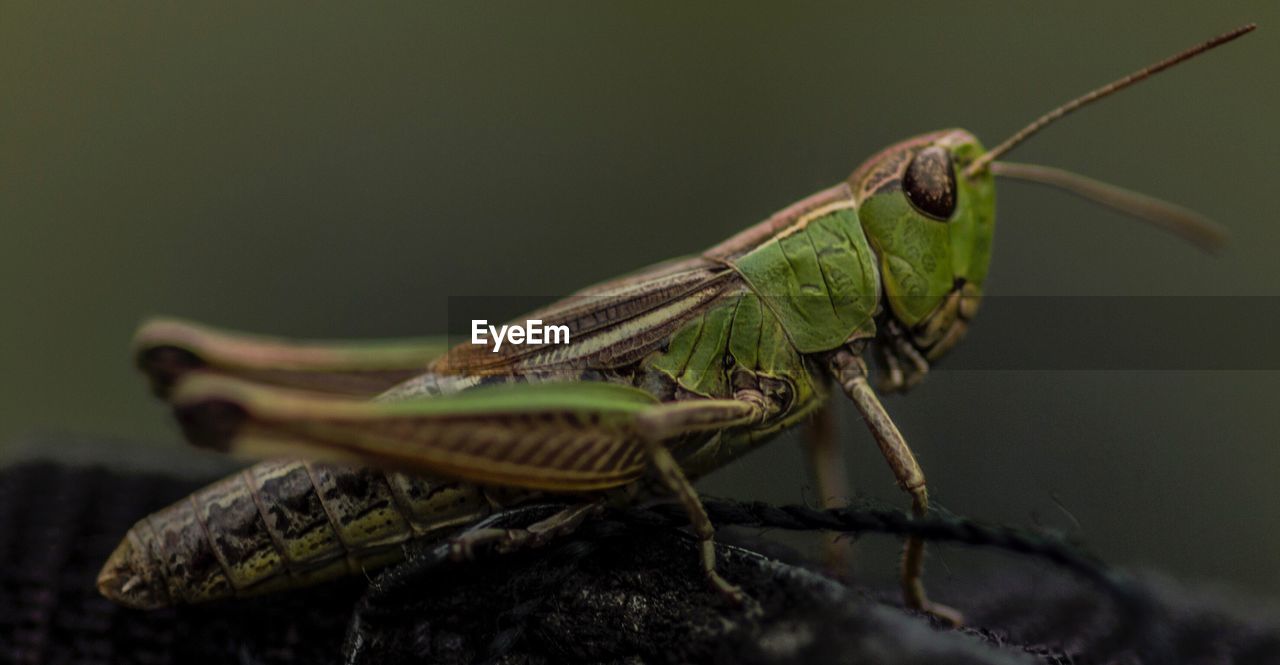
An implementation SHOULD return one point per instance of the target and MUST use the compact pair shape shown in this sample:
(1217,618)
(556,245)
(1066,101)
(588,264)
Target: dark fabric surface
(618,591)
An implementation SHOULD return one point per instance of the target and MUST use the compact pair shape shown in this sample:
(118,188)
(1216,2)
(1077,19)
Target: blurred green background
(339,170)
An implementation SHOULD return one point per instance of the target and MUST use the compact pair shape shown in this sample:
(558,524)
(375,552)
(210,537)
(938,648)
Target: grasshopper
(670,373)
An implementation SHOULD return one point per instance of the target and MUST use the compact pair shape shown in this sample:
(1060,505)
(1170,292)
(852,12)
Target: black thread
(1141,610)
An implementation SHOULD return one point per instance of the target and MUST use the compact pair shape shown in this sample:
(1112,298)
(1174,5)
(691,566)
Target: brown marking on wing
(652,307)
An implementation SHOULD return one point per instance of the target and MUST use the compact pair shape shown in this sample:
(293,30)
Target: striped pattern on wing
(610,325)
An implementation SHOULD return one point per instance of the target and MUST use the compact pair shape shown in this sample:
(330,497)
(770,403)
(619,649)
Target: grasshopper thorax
(930,225)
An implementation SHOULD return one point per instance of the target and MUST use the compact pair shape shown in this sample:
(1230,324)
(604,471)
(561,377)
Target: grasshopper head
(931,226)
(927,205)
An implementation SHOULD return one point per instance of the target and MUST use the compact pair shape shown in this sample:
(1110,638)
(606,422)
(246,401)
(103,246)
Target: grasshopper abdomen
(281,525)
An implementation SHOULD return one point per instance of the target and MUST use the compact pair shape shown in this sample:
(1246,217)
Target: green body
(761,313)
(675,370)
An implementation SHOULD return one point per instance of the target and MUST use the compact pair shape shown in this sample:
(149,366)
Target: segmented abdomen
(286,524)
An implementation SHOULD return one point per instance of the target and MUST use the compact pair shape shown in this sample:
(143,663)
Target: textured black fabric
(624,589)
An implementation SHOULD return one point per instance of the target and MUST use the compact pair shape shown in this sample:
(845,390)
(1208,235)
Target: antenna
(1186,224)
(1040,123)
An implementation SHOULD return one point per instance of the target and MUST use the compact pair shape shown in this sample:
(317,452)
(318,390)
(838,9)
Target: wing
(609,325)
(167,349)
(620,321)
(554,436)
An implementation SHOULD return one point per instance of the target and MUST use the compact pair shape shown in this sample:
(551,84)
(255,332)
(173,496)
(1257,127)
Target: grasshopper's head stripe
(887,165)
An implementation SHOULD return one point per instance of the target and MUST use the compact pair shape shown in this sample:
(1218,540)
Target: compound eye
(930,183)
